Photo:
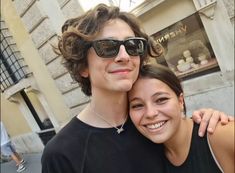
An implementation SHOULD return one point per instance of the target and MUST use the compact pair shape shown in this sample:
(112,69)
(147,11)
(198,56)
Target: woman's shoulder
(222,139)
(222,134)
(222,145)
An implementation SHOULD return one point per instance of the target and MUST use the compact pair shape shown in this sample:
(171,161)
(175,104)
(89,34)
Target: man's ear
(85,73)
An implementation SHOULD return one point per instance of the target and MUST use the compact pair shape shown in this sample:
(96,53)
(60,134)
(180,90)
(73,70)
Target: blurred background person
(8,149)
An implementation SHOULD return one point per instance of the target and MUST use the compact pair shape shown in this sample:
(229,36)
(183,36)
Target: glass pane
(187,48)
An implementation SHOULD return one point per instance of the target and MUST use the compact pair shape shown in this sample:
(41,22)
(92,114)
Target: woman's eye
(135,106)
(162,100)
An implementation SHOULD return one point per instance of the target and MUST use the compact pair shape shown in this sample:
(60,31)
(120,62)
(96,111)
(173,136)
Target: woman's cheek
(136,116)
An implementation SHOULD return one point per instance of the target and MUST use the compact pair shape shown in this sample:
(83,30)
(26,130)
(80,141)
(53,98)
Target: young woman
(103,50)
(157,108)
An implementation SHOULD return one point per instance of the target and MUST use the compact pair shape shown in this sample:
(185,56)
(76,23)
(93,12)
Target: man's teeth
(155,126)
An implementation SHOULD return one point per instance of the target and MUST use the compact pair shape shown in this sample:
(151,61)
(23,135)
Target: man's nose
(122,54)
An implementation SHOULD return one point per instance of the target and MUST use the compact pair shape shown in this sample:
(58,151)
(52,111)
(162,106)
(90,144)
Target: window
(13,68)
(188,52)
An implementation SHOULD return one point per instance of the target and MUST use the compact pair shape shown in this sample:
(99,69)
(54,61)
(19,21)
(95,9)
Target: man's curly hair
(77,33)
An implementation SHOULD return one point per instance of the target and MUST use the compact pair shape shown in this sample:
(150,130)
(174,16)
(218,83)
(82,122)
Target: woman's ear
(181,101)
(85,73)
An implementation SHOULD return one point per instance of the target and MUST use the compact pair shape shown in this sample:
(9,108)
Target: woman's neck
(177,148)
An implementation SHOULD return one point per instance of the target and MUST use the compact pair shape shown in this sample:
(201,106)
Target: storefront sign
(169,35)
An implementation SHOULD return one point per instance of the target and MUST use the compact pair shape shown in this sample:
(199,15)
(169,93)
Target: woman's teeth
(156,126)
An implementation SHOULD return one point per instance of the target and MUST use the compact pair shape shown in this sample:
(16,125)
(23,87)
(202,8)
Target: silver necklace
(119,130)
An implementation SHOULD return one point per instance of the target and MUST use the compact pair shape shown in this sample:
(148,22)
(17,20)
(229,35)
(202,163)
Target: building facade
(39,96)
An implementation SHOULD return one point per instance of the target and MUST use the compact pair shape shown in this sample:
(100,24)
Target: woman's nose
(151,112)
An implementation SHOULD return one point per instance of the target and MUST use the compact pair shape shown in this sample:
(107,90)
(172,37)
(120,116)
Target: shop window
(188,52)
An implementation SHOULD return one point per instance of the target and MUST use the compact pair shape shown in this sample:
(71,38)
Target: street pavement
(33,164)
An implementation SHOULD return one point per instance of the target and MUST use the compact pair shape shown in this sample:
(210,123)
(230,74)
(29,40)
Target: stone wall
(39,25)
(229,4)
(220,99)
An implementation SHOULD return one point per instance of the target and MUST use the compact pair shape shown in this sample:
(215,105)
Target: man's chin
(127,87)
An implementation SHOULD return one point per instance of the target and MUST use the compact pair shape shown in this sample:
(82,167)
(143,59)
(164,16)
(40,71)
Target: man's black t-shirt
(80,148)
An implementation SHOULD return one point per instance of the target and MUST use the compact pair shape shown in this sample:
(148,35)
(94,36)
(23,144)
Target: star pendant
(120,130)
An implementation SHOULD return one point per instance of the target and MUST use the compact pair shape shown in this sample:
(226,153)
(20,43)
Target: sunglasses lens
(106,48)
(110,48)
(135,47)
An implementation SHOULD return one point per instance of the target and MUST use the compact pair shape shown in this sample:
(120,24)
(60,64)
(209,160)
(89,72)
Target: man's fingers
(204,123)
(224,118)
(213,121)
(202,127)
(231,118)
(208,119)
(197,116)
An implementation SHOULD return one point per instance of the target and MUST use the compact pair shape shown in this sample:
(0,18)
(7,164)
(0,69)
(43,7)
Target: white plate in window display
(183,67)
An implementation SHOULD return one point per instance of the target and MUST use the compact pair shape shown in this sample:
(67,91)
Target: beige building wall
(165,14)
(43,79)
(13,118)
(40,88)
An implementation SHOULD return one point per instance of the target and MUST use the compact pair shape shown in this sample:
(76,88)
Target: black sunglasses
(109,48)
